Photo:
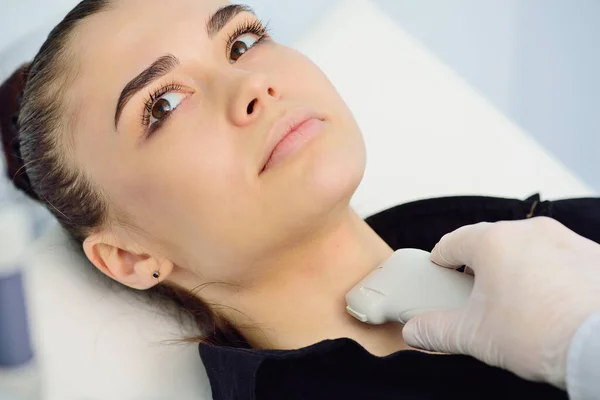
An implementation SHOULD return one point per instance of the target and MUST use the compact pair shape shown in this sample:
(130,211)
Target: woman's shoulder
(421,224)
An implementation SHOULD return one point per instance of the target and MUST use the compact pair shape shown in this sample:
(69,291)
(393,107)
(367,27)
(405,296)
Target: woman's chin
(332,172)
(322,175)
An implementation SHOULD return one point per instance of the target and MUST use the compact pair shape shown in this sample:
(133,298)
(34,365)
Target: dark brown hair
(36,139)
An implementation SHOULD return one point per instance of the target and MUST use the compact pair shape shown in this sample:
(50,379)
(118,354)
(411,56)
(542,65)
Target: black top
(343,369)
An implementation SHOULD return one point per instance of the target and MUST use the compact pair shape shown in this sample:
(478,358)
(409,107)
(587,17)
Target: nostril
(271,92)
(250,108)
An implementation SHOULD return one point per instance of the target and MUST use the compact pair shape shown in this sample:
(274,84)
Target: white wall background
(538,61)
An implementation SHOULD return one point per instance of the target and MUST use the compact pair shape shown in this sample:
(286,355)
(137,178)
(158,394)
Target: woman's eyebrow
(162,66)
(222,16)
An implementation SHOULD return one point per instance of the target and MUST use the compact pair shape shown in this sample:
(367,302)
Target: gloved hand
(535,283)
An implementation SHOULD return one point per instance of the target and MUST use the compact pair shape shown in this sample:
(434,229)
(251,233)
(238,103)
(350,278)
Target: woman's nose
(254,92)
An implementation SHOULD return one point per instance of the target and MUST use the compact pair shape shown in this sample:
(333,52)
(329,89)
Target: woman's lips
(293,141)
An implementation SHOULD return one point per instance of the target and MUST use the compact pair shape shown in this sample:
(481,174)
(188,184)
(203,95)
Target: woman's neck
(301,300)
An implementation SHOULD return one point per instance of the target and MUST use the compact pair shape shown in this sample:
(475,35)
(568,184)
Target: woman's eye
(165,105)
(241,45)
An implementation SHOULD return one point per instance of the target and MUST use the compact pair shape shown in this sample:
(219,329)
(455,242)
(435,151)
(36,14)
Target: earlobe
(135,269)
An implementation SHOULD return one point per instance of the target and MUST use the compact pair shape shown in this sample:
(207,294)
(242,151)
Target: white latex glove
(535,283)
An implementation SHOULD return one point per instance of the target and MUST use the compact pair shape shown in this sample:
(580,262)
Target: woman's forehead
(172,5)
(129,25)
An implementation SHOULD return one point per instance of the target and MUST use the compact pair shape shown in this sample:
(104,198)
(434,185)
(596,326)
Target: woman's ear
(131,267)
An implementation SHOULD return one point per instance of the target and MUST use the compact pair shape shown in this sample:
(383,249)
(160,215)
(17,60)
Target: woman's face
(175,118)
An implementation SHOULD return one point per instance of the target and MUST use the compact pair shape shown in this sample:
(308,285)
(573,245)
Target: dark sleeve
(421,224)
(580,215)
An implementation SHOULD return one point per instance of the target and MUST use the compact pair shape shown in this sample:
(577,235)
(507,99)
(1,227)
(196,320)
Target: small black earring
(156,275)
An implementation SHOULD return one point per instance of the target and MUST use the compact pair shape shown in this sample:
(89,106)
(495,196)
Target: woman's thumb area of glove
(434,331)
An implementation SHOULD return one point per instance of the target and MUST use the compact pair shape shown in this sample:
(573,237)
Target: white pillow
(98,340)
(427,133)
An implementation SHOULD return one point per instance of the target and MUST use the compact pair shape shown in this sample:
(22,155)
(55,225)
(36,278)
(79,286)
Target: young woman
(189,153)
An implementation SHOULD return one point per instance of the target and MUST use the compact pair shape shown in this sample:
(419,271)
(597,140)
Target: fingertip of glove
(409,333)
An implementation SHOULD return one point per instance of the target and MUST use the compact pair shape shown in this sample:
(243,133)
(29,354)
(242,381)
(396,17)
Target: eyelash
(255,27)
(151,100)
